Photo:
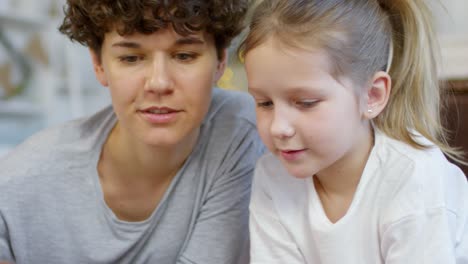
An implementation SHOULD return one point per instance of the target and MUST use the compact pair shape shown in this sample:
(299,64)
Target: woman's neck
(132,160)
(134,176)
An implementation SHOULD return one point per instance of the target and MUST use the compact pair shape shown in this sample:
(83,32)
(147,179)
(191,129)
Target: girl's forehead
(311,54)
(269,57)
(282,70)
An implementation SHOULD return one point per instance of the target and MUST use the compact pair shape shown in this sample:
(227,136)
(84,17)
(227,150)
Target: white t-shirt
(411,206)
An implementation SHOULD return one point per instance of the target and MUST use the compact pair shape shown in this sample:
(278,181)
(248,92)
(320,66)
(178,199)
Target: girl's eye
(185,56)
(129,59)
(266,104)
(306,103)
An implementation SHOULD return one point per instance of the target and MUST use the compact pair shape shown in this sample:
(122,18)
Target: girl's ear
(377,94)
(221,66)
(98,68)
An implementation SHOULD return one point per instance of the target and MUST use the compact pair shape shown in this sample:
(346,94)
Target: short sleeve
(221,233)
(420,238)
(6,253)
(270,241)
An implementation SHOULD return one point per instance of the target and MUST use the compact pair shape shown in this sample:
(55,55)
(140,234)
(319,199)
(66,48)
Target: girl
(348,104)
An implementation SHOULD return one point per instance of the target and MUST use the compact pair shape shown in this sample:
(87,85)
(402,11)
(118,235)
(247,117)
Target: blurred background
(45,79)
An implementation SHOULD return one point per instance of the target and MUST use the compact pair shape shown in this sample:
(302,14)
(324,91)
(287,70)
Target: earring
(370,111)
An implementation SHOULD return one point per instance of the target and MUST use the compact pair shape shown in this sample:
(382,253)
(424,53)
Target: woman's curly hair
(86,21)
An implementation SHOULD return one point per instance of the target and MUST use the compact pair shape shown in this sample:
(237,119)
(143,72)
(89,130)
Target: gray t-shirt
(52,208)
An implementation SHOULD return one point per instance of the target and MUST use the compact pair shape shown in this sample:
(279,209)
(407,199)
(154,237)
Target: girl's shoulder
(396,152)
(418,179)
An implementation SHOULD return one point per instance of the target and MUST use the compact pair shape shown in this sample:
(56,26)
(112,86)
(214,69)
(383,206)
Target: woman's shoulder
(229,126)
(231,106)
(54,147)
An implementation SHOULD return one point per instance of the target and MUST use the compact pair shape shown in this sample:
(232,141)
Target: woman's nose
(159,78)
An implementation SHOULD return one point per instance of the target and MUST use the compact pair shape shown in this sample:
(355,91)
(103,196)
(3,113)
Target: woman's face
(160,83)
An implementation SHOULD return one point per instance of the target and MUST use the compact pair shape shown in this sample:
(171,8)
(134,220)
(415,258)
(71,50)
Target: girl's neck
(337,185)
(342,178)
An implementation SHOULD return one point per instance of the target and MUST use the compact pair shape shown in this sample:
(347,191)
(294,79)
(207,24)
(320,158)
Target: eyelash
(187,56)
(301,104)
(266,104)
(184,57)
(306,103)
(129,59)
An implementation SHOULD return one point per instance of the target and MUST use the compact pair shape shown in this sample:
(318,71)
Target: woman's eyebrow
(127,44)
(189,41)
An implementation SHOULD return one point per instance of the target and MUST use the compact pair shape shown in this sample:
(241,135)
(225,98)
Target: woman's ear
(377,94)
(98,68)
(221,66)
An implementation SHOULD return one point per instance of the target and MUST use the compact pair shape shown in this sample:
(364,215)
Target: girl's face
(306,117)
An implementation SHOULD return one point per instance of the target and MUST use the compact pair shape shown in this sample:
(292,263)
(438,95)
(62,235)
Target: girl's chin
(300,174)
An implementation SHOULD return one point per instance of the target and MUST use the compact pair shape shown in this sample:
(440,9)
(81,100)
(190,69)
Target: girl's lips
(292,155)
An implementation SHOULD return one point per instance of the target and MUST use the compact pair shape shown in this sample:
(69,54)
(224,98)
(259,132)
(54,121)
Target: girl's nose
(281,126)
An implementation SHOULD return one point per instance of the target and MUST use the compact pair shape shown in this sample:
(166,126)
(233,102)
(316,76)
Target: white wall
(63,85)
(453,20)
(452,24)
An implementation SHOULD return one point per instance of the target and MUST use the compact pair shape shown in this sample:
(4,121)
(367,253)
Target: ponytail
(415,99)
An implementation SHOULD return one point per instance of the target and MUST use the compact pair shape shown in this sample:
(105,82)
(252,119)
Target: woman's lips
(159,115)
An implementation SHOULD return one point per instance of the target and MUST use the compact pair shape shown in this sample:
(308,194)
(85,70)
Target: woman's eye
(129,59)
(266,104)
(185,56)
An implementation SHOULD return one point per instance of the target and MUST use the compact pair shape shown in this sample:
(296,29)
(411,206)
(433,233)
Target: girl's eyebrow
(305,90)
(251,89)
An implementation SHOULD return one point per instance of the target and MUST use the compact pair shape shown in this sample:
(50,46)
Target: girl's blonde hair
(359,35)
